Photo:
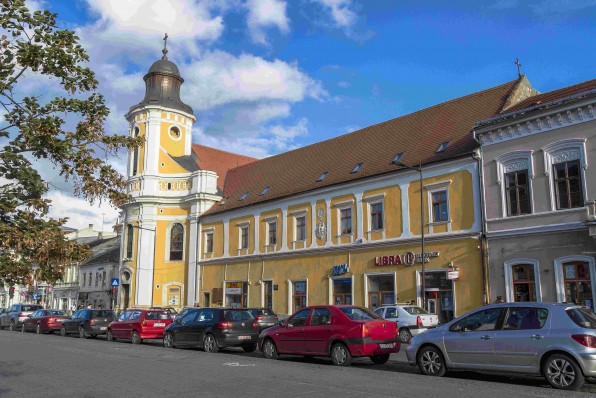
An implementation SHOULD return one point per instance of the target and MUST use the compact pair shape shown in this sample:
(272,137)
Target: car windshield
(157,315)
(583,317)
(237,315)
(30,308)
(56,312)
(359,314)
(415,310)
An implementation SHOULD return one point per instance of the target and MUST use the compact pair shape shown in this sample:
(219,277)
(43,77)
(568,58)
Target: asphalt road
(53,366)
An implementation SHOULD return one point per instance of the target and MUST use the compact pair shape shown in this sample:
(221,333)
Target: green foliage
(31,43)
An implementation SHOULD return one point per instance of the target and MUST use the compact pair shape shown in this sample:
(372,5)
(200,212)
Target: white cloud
(284,137)
(343,15)
(344,84)
(558,7)
(340,12)
(80,213)
(264,14)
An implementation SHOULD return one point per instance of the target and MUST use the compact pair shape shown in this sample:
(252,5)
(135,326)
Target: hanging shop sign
(340,269)
(408,258)
(453,274)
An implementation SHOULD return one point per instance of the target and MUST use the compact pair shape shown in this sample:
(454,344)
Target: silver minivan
(557,341)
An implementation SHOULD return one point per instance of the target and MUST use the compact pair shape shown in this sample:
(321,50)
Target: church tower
(169,191)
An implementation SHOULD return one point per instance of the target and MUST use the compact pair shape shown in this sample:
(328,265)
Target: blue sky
(266,76)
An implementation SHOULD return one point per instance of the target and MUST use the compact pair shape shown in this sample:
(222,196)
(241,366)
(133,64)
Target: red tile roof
(554,95)
(219,161)
(418,135)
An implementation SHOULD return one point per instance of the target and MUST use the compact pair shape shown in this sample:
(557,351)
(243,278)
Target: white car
(411,319)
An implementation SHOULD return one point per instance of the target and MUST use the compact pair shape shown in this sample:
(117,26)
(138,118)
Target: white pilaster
(152,142)
(313,228)
(145,262)
(405,209)
(328,219)
(226,230)
(359,220)
(284,229)
(257,234)
(194,244)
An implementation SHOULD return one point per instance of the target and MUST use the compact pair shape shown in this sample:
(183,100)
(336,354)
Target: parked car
(16,314)
(44,321)
(265,317)
(411,319)
(171,310)
(87,323)
(139,324)
(214,328)
(341,332)
(557,341)
(183,312)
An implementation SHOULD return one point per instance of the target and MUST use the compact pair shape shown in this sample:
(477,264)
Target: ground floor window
(524,283)
(578,283)
(439,295)
(173,296)
(298,295)
(236,293)
(342,291)
(381,290)
(268,294)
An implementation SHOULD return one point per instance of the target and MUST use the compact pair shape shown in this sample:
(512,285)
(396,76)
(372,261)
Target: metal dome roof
(164,66)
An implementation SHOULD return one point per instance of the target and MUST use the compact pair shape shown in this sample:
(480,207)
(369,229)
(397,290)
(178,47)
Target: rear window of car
(415,310)
(236,315)
(56,312)
(30,307)
(157,315)
(359,314)
(265,312)
(102,314)
(583,317)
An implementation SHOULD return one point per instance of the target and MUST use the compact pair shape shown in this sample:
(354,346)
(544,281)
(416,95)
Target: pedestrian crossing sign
(115,282)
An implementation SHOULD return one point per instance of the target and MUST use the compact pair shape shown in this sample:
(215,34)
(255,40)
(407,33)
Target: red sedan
(138,324)
(341,332)
(44,321)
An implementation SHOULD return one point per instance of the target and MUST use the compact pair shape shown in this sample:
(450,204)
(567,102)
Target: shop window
(301,228)
(568,185)
(517,193)
(376,216)
(173,293)
(381,290)
(236,294)
(299,295)
(342,291)
(272,233)
(130,235)
(346,220)
(578,283)
(176,242)
(244,237)
(440,212)
(524,283)
(209,242)
(268,294)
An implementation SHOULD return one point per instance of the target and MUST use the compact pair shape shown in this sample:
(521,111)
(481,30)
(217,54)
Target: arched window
(176,242)
(135,154)
(130,235)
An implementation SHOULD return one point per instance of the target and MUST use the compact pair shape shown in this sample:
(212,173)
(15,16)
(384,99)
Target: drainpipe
(483,241)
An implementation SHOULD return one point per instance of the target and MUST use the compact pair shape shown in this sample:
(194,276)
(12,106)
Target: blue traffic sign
(115,282)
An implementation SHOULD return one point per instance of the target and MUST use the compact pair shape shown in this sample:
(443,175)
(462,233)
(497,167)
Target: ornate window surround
(240,227)
(515,161)
(508,268)
(370,201)
(563,151)
(207,232)
(434,188)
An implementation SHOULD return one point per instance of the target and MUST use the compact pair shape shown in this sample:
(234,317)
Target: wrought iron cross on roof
(165,45)
(519,65)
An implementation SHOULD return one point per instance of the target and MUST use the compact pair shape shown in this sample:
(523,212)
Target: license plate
(159,324)
(103,328)
(389,345)
(243,337)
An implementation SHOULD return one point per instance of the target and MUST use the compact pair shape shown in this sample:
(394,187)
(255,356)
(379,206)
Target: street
(53,366)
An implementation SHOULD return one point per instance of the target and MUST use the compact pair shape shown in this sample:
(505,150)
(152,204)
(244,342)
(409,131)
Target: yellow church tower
(169,191)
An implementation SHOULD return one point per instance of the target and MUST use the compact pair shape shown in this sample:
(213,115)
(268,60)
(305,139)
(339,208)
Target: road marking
(237,364)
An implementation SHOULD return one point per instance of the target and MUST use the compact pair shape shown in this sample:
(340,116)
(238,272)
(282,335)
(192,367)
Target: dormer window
(442,147)
(322,176)
(245,195)
(357,168)
(397,157)
(265,191)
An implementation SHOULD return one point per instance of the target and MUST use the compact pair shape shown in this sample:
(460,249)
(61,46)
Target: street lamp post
(153,269)
(422,258)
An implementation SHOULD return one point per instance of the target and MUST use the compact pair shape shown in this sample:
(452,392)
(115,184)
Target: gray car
(16,314)
(557,341)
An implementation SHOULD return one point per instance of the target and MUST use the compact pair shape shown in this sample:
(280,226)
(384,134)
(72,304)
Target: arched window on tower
(135,154)
(176,242)
(130,236)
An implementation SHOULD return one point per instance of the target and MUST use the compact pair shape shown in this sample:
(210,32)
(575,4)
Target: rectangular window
(84,279)
(209,242)
(301,228)
(268,297)
(440,211)
(568,185)
(517,193)
(299,295)
(376,216)
(524,283)
(346,221)
(244,237)
(90,277)
(96,278)
(272,238)
(578,284)
(103,279)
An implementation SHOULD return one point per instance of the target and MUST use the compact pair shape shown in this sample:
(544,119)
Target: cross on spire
(519,65)
(165,45)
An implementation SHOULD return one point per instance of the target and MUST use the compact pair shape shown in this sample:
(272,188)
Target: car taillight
(586,340)
(22,315)
(144,323)
(260,317)
(418,321)
(51,320)
(255,324)
(224,325)
(91,321)
(364,330)
(276,319)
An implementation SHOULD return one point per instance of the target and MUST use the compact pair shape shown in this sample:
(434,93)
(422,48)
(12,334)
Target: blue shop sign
(340,269)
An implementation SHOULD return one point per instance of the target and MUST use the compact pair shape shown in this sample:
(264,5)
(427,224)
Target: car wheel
(340,355)
(82,333)
(379,359)
(109,335)
(270,350)
(12,326)
(431,362)
(135,339)
(22,328)
(63,331)
(38,329)
(562,372)
(249,348)
(405,335)
(168,341)
(209,344)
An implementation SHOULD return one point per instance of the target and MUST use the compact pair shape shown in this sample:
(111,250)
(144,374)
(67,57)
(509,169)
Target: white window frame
(241,226)
(263,293)
(291,293)
(339,277)
(171,135)
(435,188)
(370,201)
(269,222)
(508,268)
(296,216)
(560,279)
(206,233)
(366,275)
(560,152)
(511,162)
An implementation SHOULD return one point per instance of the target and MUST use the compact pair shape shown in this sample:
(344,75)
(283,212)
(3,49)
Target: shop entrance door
(439,295)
